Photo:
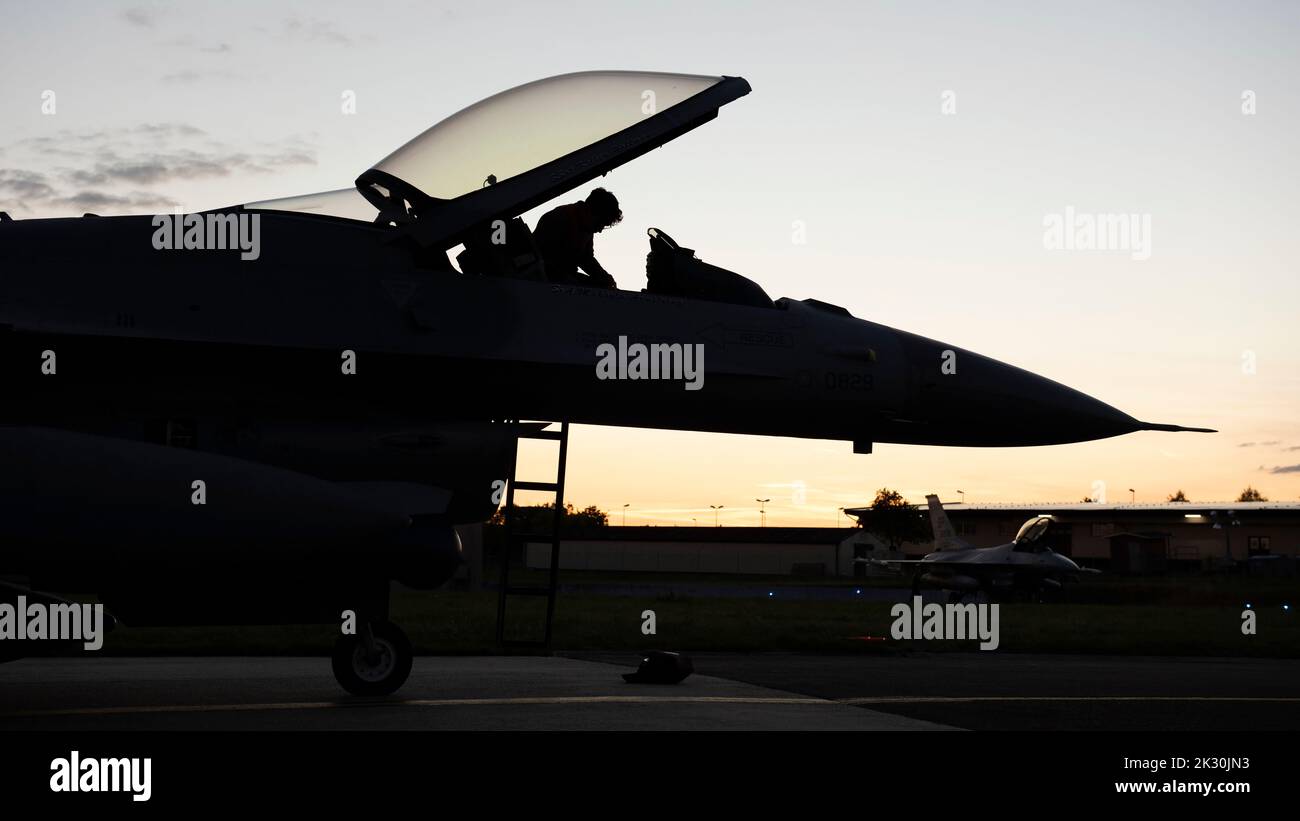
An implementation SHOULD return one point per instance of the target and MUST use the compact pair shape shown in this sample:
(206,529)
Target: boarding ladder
(515,537)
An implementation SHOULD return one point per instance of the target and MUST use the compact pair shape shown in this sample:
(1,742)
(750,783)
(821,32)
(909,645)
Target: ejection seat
(672,270)
(516,258)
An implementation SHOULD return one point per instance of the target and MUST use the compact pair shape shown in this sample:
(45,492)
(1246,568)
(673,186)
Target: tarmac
(443,693)
(730,691)
(1019,691)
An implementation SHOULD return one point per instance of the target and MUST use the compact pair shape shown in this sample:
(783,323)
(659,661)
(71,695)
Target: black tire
(386,674)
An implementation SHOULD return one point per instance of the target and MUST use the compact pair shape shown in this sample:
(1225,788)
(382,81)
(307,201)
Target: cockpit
(1035,535)
(468,179)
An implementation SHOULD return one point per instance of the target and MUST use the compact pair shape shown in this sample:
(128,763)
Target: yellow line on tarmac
(563,700)
(439,702)
(423,702)
(982,699)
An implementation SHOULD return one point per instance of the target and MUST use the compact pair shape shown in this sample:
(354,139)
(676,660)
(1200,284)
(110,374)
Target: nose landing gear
(374,662)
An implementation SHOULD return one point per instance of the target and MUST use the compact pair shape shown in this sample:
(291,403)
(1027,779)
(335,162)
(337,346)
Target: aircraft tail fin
(945,537)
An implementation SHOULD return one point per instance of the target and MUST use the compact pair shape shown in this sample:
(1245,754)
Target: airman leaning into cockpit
(565,235)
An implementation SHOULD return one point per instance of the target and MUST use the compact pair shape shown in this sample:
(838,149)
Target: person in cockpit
(565,235)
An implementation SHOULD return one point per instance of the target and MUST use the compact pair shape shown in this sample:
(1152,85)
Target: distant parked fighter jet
(1026,565)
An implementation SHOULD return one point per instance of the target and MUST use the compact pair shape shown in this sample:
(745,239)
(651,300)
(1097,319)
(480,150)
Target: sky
(902,160)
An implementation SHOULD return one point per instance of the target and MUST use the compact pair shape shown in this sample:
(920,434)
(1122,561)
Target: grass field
(1194,616)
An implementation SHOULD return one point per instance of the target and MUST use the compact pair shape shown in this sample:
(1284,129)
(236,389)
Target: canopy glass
(518,130)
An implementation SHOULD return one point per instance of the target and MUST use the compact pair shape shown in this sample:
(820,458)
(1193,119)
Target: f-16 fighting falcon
(267,413)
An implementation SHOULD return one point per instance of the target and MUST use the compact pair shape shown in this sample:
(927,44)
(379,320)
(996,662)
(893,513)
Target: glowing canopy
(518,130)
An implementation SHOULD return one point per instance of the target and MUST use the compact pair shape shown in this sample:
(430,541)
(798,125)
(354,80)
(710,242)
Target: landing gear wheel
(379,672)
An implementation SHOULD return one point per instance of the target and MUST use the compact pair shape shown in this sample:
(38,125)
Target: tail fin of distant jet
(945,538)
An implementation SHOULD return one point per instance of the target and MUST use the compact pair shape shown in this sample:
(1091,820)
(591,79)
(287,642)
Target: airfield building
(1124,538)
(1141,537)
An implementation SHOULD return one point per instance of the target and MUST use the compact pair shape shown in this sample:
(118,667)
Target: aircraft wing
(897,564)
(890,564)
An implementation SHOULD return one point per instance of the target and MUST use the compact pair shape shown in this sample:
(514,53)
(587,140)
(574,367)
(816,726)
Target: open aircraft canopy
(343,202)
(518,130)
(517,149)
(1033,534)
(522,147)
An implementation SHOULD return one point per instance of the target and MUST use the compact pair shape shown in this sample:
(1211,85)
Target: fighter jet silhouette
(265,413)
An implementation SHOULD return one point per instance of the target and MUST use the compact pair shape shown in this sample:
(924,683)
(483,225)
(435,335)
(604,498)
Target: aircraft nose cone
(975,400)
(1039,407)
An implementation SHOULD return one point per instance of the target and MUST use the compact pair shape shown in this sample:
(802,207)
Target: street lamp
(963,496)
(1228,521)
(625,514)
(1133,496)
(762,511)
(716,508)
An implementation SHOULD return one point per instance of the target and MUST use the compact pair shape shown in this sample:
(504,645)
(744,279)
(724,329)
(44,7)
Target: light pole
(625,514)
(716,508)
(1224,524)
(1133,496)
(762,511)
(962,493)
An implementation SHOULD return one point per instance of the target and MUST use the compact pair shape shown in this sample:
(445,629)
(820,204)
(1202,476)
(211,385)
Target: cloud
(87,143)
(114,168)
(154,168)
(167,130)
(141,16)
(190,76)
(99,200)
(28,188)
(24,185)
(1285,469)
(186,76)
(315,30)
(190,43)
